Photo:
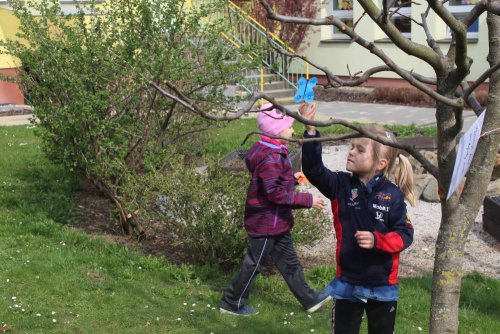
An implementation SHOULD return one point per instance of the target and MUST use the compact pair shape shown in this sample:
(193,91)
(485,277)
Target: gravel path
(482,252)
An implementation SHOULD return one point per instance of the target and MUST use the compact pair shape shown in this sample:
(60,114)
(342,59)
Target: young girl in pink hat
(271,197)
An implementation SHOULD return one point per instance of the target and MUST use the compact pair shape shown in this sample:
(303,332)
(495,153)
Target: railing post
(261,83)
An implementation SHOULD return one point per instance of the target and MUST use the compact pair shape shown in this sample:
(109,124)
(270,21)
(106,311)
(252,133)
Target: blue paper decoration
(305,91)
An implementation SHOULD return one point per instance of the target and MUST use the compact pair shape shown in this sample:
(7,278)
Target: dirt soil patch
(97,216)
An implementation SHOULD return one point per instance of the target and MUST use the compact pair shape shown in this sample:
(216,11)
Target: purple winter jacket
(271,194)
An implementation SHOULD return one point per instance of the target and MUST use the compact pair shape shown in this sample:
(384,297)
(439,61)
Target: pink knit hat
(272,121)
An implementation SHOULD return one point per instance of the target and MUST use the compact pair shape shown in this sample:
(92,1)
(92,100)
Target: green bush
(88,76)
(202,212)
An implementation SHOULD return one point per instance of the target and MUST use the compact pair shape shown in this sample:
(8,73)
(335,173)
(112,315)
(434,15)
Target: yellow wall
(8,28)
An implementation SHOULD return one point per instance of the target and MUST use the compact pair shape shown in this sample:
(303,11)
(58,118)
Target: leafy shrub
(89,75)
(202,210)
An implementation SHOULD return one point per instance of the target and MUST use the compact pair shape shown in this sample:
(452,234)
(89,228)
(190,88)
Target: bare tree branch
(471,99)
(458,47)
(494,7)
(358,20)
(350,83)
(480,80)
(331,20)
(430,39)
(187,103)
(479,8)
(406,45)
(385,11)
(302,140)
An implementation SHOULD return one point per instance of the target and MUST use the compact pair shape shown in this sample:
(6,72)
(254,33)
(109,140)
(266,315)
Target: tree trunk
(459,212)
(447,275)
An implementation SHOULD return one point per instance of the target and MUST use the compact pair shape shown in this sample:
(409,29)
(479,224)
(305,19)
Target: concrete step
(269,77)
(276,85)
(279,93)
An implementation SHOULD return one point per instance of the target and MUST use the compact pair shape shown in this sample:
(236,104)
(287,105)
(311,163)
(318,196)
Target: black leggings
(347,316)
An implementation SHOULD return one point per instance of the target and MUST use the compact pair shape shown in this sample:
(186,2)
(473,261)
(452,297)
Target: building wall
(10,93)
(337,54)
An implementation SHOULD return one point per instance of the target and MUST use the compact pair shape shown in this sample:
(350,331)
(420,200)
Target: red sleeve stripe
(338,234)
(390,242)
(393,276)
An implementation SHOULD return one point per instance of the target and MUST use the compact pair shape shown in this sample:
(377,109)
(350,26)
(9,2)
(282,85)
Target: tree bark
(460,211)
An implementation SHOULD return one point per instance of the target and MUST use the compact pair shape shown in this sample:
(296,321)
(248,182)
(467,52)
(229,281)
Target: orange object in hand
(301,178)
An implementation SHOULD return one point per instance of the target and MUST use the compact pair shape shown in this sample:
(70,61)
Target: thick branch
(476,11)
(459,34)
(471,99)
(227,116)
(406,45)
(494,7)
(302,140)
(350,83)
(331,20)
(480,80)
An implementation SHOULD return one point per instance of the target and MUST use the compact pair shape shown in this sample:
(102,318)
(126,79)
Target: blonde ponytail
(404,179)
(402,171)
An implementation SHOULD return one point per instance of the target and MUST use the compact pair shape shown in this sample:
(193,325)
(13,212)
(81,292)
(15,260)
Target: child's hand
(365,239)
(308,111)
(318,203)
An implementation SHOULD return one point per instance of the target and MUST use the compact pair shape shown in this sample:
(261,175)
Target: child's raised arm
(312,164)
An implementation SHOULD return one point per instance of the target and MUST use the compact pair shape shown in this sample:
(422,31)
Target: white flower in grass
(191,311)
(53,312)
(419,329)
(193,305)
(309,316)
(38,315)
(14,297)
(54,320)
(291,313)
(184,304)
(178,319)
(312,330)
(157,318)
(285,322)
(8,280)
(208,305)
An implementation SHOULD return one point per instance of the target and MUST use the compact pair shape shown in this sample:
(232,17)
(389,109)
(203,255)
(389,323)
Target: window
(400,16)
(342,9)
(459,9)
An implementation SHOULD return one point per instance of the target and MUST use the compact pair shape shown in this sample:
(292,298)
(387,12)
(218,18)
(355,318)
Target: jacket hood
(260,151)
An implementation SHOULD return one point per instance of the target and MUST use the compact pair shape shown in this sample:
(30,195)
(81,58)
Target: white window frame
(404,13)
(461,10)
(341,15)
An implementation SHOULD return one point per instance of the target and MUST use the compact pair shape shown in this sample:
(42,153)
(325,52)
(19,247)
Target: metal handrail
(245,30)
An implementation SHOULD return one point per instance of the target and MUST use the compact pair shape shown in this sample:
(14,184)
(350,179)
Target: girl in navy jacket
(371,225)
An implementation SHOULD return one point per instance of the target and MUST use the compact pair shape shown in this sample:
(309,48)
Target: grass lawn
(56,279)
(230,135)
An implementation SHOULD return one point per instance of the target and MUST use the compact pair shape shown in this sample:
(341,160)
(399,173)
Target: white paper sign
(465,153)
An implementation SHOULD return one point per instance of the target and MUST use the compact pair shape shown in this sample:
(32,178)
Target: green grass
(50,271)
(230,135)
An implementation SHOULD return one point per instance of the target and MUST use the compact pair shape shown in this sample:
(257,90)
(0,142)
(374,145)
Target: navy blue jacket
(378,207)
